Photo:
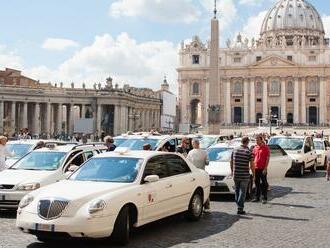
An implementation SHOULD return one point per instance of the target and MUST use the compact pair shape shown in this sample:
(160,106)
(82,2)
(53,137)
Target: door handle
(193,179)
(168,186)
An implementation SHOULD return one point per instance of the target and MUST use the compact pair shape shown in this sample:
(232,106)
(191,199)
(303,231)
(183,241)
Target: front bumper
(295,167)
(10,199)
(225,186)
(76,227)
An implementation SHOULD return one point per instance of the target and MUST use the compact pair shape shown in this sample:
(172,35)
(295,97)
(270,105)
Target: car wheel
(313,168)
(195,210)
(302,170)
(122,228)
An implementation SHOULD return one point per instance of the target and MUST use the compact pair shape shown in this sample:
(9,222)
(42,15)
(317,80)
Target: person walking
(261,155)
(240,164)
(109,143)
(199,158)
(4,152)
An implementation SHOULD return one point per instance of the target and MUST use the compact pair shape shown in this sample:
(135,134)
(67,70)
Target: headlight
(25,201)
(96,206)
(29,186)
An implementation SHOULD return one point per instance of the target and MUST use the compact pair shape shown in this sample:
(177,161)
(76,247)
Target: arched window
(237,88)
(274,87)
(290,87)
(196,88)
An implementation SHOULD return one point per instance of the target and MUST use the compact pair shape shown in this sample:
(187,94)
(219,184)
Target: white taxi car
(322,148)
(220,172)
(39,168)
(113,192)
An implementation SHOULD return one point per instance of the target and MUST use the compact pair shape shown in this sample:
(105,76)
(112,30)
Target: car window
(176,165)
(156,166)
(79,160)
(307,147)
(88,154)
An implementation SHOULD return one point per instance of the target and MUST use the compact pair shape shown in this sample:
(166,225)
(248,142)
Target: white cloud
(9,59)
(58,44)
(156,10)
(326,24)
(250,2)
(139,64)
(253,25)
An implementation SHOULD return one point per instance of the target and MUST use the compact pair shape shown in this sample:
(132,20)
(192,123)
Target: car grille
(5,203)
(6,186)
(51,209)
(219,189)
(216,178)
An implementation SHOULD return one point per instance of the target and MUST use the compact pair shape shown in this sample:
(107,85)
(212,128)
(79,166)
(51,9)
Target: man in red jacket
(261,155)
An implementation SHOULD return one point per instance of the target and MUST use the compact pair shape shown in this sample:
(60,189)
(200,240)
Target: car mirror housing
(151,179)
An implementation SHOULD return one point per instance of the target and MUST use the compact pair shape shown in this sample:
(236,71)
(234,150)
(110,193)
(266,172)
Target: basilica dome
(288,15)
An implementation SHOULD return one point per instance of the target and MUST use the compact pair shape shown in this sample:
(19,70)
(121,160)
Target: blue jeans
(241,187)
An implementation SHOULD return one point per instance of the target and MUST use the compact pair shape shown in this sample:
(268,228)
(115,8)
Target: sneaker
(264,201)
(241,212)
(256,200)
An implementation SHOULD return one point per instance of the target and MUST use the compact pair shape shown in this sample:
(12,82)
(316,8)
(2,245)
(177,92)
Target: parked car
(22,147)
(40,168)
(113,192)
(220,172)
(207,141)
(300,149)
(322,147)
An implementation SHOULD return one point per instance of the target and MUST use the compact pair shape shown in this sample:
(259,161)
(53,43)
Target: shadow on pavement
(290,205)
(8,214)
(277,217)
(164,233)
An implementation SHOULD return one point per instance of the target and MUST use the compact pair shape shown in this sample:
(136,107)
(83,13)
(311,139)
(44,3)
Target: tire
(195,209)
(122,227)
(301,173)
(314,167)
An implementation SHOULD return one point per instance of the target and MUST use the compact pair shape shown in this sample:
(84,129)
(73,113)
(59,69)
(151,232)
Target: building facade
(51,110)
(284,74)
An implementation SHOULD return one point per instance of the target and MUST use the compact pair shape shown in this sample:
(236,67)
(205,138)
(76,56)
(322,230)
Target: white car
(322,147)
(300,149)
(220,172)
(113,192)
(40,168)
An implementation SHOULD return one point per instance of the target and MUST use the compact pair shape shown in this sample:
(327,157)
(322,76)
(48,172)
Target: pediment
(274,61)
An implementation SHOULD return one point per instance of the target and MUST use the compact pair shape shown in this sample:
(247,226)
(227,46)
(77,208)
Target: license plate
(45,227)
(215,183)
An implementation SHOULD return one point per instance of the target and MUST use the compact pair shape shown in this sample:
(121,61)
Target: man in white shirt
(4,152)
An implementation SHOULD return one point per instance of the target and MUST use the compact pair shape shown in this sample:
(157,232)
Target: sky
(133,41)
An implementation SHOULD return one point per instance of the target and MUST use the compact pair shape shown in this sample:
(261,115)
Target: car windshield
(119,141)
(288,143)
(206,142)
(19,149)
(137,144)
(221,154)
(318,145)
(40,161)
(113,169)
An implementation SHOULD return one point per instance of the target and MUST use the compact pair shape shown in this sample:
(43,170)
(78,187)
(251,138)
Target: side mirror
(73,168)
(151,179)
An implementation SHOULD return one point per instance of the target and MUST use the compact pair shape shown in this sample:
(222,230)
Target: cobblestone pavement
(297,215)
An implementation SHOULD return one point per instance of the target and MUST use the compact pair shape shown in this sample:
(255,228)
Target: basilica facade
(282,75)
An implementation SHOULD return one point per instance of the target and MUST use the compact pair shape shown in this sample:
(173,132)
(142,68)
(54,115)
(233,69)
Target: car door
(279,162)
(182,182)
(156,195)
(308,153)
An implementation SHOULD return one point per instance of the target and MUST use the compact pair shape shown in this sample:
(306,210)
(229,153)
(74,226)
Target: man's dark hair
(245,140)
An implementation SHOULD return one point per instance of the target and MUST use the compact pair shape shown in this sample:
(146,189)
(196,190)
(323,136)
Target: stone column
(13,117)
(48,119)
(252,101)
(296,101)
(1,117)
(123,119)
(303,101)
(283,100)
(25,115)
(37,119)
(59,118)
(246,101)
(323,107)
(117,118)
(71,125)
(265,99)
(99,119)
(227,102)
(83,111)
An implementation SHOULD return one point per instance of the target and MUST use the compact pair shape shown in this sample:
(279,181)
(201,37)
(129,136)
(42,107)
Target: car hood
(15,177)
(294,154)
(218,168)
(78,190)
